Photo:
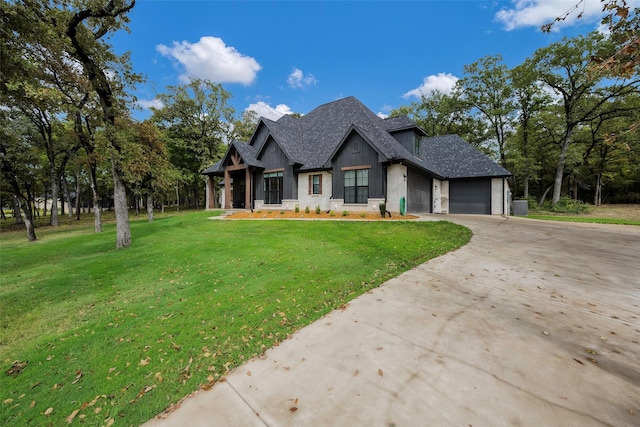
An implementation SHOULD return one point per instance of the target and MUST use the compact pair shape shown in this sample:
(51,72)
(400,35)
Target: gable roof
(312,140)
(453,158)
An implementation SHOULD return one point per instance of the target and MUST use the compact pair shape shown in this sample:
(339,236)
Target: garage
(470,196)
(418,192)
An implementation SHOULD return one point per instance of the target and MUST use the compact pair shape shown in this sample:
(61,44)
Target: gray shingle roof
(454,158)
(311,140)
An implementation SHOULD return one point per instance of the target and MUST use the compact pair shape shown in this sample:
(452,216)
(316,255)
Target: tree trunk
(557,184)
(28,222)
(67,195)
(97,211)
(53,175)
(123,229)
(77,198)
(17,214)
(526,188)
(150,207)
(544,195)
(597,198)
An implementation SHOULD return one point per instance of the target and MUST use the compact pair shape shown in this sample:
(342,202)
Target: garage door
(470,196)
(418,193)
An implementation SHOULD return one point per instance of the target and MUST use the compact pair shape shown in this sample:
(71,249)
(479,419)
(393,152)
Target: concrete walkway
(531,324)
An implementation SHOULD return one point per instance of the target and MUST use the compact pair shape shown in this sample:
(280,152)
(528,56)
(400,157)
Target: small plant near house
(281,212)
(383,209)
(332,213)
(297,209)
(318,209)
(259,211)
(345,213)
(306,210)
(363,214)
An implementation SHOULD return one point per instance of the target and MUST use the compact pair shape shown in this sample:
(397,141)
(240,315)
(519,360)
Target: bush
(306,210)
(332,213)
(383,209)
(318,209)
(345,213)
(297,209)
(570,206)
(363,214)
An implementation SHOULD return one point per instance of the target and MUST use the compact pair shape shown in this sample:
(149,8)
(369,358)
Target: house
(342,156)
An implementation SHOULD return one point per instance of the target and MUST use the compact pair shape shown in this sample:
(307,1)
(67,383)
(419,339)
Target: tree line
(564,121)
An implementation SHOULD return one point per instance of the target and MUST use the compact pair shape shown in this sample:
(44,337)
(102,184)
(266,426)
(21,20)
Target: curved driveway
(531,324)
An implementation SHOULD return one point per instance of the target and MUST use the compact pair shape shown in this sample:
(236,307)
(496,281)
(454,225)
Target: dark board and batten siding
(273,157)
(357,152)
(470,196)
(418,192)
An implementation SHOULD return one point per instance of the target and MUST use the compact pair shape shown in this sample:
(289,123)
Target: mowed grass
(117,336)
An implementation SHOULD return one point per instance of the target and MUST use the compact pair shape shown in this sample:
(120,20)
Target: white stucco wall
(396,186)
(440,195)
(312,200)
(499,196)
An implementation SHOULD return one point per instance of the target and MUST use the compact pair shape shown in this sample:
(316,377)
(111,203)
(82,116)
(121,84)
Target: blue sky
(278,57)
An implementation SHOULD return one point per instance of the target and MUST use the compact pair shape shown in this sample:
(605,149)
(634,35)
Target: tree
(529,99)
(196,119)
(86,29)
(146,165)
(565,68)
(623,26)
(243,128)
(19,163)
(445,114)
(487,89)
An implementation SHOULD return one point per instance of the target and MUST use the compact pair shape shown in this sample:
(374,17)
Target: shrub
(332,213)
(297,209)
(383,209)
(569,206)
(306,210)
(345,213)
(363,214)
(318,209)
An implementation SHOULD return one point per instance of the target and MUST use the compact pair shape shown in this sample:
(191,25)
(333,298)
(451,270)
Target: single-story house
(342,156)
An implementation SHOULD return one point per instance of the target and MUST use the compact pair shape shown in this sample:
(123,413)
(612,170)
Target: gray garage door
(418,193)
(470,196)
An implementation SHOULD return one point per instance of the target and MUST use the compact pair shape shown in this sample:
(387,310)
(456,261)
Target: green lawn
(122,334)
(572,218)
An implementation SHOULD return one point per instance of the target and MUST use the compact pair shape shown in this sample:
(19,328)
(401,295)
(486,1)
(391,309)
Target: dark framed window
(417,144)
(315,184)
(356,186)
(272,185)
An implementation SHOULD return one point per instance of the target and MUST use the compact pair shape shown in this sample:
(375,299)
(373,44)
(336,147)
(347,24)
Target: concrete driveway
(531,324)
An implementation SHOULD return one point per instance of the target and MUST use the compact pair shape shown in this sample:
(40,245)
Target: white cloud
(297,79)
(150,103)
(535,13)
(267,111)
(211,59)
(382,115)
(441,82)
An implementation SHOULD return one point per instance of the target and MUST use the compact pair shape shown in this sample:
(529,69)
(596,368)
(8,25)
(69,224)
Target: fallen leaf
(110,422)
(380,372)
(579,361)
(144,361)
(7,401)
(547,333)
(48,411)
(16,368)
(72,416)
(248,373)
(293,409)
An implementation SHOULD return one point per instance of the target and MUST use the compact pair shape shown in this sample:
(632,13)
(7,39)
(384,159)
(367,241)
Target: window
(272,184)
(315,184)
(417,145)
(356,186)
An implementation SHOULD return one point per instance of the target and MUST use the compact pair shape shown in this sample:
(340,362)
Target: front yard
(93,335)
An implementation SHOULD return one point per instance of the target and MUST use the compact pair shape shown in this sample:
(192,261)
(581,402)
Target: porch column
(247,189)
(211,193)
(227,190)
